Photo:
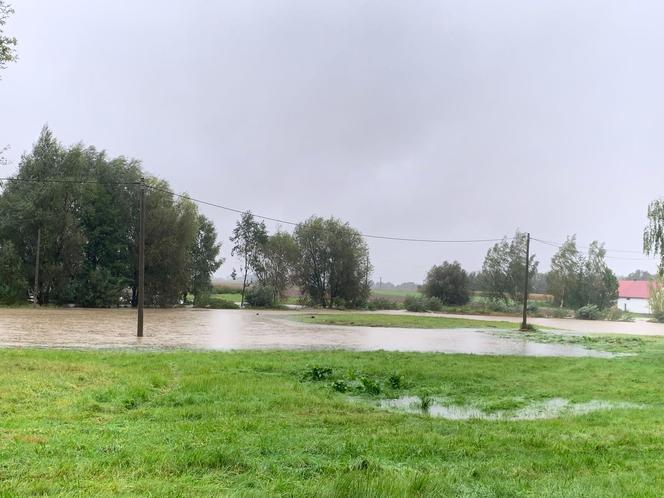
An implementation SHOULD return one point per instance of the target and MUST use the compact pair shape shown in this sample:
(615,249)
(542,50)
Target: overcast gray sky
(441,119)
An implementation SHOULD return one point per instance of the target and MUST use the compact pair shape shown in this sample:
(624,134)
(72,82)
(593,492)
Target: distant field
(394,293)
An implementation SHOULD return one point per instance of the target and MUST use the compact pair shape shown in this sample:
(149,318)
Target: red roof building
(634,289)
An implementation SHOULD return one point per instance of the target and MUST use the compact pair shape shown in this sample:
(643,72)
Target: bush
(656,300)
(415,303)
(382,303)
(589,312)
(559,313)
(370,386)
(317,373)
(260,297)
(222,304)
(447,282)
(613,314)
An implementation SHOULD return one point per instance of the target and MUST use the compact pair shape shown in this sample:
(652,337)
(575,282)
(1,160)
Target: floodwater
(539,410)
(242,329)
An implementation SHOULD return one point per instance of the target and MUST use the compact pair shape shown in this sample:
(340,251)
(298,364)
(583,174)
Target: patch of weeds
(395,381)
(425,400)
(340,385)
(370,386)
(317,373)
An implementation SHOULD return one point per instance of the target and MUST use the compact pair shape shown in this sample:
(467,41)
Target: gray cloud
(453,119)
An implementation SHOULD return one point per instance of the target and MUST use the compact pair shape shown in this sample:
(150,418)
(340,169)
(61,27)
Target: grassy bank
(404,321)
(256,424)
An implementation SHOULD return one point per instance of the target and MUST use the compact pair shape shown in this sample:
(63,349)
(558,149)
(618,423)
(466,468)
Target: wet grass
(271,424)
(401,321)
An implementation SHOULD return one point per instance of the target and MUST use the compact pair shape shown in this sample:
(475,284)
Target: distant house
(633,295)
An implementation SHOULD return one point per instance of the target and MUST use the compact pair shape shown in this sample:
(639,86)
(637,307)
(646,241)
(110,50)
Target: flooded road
(235,329)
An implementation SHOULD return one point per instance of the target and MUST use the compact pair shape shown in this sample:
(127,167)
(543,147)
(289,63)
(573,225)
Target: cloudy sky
(444,119)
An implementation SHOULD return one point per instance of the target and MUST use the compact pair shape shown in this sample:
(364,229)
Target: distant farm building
(633,296)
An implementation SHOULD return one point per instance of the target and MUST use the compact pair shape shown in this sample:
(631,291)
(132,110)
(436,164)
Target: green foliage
(317,373)
(589,312)
(447,282)
(401,321)
(277,257)
(7,43)
(576,280)
(382,303)
(503,271)
(249,236)
(370,386)
(12,281)
(656,299)
(259,296)
(88,250)
(334,266)
(395,381)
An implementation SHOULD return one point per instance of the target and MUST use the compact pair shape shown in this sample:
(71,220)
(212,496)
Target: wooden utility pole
(524,323)
(35,293)
(141,257)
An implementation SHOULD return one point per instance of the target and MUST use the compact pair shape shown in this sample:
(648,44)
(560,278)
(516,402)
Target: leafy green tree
(640,275)
(503,271)
(204,258)
(278,257)
(89,229)
(334,266)
(13,287)
(7,43)
(448,282)
(600,283)
(577,280)
(566,273)
(249,236)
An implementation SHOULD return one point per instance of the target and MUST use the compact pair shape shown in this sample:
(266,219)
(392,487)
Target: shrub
(447,282)
(340,386)
(222,304)
(370,386)
(415,303)
(260,296)
(589,312)
(317,373)
(613,314)
(382,303)
(559,313)
(434,304)
(395,381)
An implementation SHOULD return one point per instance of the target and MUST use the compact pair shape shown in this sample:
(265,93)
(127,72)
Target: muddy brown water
(236,329)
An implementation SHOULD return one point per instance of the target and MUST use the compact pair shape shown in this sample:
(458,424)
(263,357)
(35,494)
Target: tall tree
(334,265)
(504,268)
(278,258)
(566,272)
(204,258)
(249,236)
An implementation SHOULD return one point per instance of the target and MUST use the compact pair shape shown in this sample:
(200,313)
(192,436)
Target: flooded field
(540,410)
(234,329)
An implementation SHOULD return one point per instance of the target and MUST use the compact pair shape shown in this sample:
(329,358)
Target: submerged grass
(85,423)
(403,321)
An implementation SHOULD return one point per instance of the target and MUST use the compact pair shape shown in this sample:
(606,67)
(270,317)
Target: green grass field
(405,321)
(392,293)
(248,424)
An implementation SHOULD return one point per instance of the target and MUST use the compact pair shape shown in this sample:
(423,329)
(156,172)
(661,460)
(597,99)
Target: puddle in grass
(552,408)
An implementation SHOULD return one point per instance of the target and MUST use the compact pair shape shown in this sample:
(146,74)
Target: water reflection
(234,329)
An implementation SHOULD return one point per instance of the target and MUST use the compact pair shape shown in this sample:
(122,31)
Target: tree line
(574,280)
(88,231)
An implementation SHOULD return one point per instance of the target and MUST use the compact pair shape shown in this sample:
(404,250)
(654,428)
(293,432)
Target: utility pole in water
(141,257)
(524,323)
(35,293)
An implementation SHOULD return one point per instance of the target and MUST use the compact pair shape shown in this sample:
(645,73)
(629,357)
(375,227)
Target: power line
(558,245)
(292,223)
